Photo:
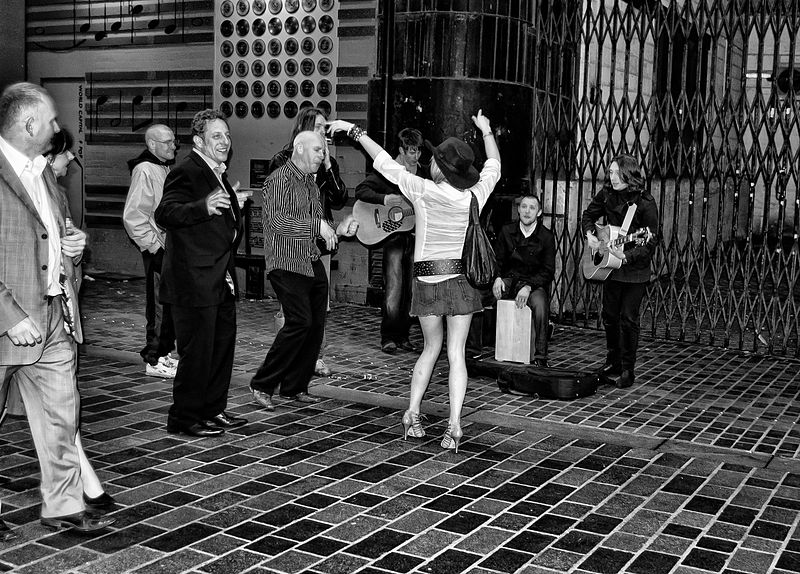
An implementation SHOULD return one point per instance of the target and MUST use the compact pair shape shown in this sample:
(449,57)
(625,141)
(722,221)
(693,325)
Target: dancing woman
(440,289)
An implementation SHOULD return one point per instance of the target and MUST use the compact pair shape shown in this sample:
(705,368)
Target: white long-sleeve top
(441,211)
(144,195)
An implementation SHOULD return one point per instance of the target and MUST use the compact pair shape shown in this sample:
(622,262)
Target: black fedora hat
(455,158)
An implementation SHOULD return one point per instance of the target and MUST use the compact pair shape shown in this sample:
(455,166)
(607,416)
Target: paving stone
(623,481)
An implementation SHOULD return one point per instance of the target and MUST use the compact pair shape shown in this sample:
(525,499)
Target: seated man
(526,257)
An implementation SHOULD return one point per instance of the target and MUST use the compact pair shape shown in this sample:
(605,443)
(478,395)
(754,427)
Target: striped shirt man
(292,216)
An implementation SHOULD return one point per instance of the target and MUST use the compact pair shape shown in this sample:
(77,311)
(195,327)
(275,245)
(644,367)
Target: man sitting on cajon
(526,257)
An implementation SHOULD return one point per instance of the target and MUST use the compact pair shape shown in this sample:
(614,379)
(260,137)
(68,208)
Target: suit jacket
(23,262)
(200,248)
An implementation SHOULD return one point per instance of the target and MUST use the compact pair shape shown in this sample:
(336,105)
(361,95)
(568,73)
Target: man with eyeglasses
(148,172)
(398,249)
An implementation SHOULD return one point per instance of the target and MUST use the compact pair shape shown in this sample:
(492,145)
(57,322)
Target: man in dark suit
(39,319)
(201,214)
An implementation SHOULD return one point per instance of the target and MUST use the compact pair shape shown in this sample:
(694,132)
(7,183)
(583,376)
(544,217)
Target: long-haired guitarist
(625,287)
(398,248)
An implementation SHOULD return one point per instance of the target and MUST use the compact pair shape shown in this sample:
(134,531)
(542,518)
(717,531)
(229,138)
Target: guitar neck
(626,238)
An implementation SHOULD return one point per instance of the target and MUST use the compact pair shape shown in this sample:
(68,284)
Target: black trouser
(291,358)
(398,255)
(206,343)
(621,302)
(539,303)
(160,329)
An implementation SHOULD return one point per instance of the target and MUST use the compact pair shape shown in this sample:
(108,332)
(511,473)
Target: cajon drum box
(513,335)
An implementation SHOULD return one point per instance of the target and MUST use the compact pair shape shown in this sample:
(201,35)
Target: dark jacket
(613,206)
(201,248)
(526,260)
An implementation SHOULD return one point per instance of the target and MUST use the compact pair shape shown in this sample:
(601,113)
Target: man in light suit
(201,214)
(39,319)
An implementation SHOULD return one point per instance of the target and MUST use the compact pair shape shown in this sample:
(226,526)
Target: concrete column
(12,31)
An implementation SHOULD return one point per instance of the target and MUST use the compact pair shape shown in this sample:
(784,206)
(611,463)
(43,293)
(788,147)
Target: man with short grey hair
(148,172)
(39,317)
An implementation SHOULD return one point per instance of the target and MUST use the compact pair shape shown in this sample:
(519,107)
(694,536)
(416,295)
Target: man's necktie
(220,171)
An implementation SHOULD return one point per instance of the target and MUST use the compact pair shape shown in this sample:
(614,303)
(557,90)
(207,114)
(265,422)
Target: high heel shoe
(412,425)
(452,436)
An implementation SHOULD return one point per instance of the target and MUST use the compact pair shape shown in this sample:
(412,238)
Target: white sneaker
(160,370)
(168,361)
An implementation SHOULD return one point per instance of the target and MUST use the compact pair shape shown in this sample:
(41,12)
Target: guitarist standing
(626,286)
(398,248)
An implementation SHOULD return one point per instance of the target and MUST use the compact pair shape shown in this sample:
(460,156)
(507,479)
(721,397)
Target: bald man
(148,172)
(294,222)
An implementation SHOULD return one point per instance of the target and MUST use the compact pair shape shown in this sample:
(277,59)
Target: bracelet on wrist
(355,133)
(486,135)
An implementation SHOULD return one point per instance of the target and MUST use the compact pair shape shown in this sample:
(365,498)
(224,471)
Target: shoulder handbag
(480,265)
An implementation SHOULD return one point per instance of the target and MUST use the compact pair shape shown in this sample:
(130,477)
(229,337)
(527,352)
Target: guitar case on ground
(545,383)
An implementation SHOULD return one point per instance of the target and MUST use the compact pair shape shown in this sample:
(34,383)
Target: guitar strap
(626,223)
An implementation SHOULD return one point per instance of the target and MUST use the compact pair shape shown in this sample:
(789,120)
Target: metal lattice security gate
(703,92)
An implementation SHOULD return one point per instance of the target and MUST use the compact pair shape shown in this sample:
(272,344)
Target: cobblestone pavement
(695,469)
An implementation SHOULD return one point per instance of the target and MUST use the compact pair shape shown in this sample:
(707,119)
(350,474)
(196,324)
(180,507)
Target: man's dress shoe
(263,399)
(80,522)
(223,420)
(305,398)
(541,363)
(6,533)
(198,429)
(610,370)
(626,379)
(407,345)
(103,503)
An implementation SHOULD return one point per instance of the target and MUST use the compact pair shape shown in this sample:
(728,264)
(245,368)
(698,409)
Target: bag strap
(474,214)
(626,223)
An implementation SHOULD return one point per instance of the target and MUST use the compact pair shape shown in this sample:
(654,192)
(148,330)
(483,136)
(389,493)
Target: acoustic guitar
(376,222)
(598,263)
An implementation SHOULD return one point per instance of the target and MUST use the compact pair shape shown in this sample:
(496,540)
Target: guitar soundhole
(395,214)
(597,258)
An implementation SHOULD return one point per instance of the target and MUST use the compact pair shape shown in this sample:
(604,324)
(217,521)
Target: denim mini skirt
(453,296)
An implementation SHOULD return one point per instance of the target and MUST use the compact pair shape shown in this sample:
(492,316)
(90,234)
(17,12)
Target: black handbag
(480,264)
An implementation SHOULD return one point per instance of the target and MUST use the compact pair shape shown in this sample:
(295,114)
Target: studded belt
(438,267)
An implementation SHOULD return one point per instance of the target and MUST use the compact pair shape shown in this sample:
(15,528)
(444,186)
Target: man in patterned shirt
(293,223)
